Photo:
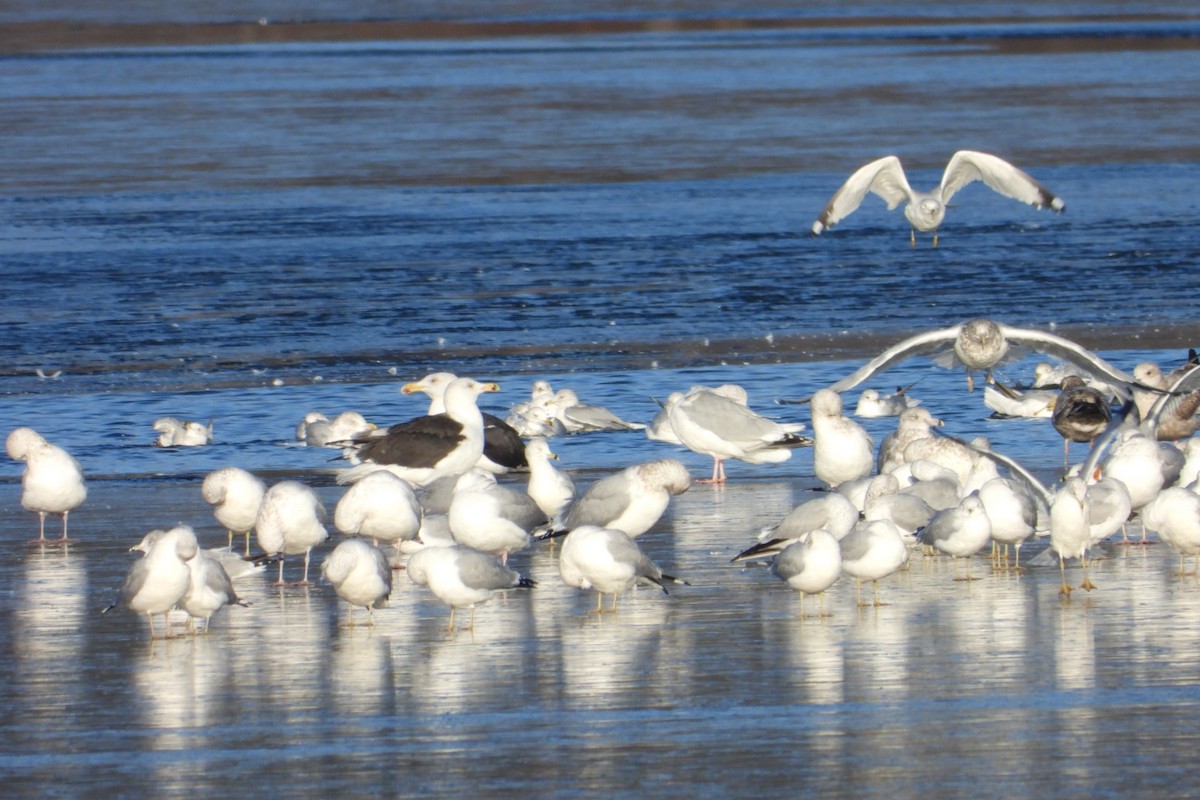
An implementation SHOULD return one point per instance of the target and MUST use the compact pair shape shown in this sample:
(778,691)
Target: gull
(1175,516)
(158,582)
(1009,403)
(660,429)
(842,450)
(810,565)
(360,575)
(210,590)
(236,496)
(982,344)
(873,550)
(959,532)
(290,522)
(1012,511)
(316,430)
(1080,414)
(1070,530)
(632,500)
(578,417)
(491,518)
(832,512)
(1172,416)
(503,449)
(712,423)
(52,481)
(912,424)
(461,577)
(908,512)
(429,447)
(179,433)
(380,507)
(933,483)
(872,404)
(609,561)
(550,488)
(925,211)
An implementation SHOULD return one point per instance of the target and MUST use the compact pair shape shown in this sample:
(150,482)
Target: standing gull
(981,345)
(925,211)
(503,449)
(832,512)
(380,507)
(713,424)
(52,482)
(210,590)
(873,550)
(608,561)
(491,518)
(631,501)
(810,565)
(959,532)
(461,577)
(430,447)
(158,582)
(360,575)
(291,521)
(550,487)
(842,449)
(1080,414)
(236,495)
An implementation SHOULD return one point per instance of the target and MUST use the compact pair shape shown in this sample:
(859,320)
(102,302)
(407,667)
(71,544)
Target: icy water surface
(248,222)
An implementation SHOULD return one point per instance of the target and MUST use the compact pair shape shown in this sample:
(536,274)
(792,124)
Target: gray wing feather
(481,571)
(920,344)
(883,177)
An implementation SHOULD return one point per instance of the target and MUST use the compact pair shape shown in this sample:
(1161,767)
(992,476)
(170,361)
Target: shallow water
(245,233)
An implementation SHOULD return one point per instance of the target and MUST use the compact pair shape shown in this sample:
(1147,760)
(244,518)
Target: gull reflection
(610,659)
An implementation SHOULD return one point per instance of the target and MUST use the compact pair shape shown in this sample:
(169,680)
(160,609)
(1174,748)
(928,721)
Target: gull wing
(884,177)
(1067,350)
(1182,402)
(968,166)
(921,344)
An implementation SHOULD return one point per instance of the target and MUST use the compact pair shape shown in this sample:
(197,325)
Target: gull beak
(491,387)
(409,388)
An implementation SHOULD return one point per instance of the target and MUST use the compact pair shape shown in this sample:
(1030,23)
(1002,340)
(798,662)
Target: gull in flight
(982,344)
(925,211)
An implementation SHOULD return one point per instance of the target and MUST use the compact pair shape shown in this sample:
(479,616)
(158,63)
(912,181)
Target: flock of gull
(422,496)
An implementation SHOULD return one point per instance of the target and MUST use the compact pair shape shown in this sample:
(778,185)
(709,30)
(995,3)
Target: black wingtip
(527,583)
(549,534)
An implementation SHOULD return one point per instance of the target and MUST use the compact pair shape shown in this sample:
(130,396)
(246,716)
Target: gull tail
(759,551)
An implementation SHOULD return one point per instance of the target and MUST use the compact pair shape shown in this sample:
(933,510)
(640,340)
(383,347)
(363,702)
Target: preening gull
(158,582)
(360,574)
(461,577)
(52,481)
(810,565)
(291,521)
(380,507)
(429,447)
(842,450)
(711,423)
(925,211)
(982,344)
(236,495)
(503,449)
(608,561)
(631,501)
(173,432)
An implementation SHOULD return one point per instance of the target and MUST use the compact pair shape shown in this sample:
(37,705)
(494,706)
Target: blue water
(248,232)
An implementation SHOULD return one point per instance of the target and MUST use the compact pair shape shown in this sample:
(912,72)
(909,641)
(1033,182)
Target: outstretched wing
(921,344)
(968,166)
(884,177)
(1070,351)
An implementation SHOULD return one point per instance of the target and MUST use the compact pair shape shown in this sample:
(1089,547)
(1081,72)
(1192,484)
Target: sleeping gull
(360,575)
(380,507)
(290,522)
(959,532)
(842,449)
(608,561)
(429,447)
(711,423)
(631,501)
(810,565)
(236,495)
(579,417)
(179,433)
(872,405)
(981,345)
(1012,510)
(461,577)
(926,210)
(1007,402)
(210,590)
(52,481)
(157,582)
(491,518)
(503,449)
(318,431)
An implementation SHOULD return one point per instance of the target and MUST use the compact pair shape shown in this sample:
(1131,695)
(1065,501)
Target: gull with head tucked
(925,211)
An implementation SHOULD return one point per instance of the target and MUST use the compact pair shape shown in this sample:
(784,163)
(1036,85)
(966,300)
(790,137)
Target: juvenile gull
(52,481)
(1080,414)
(982,344)
(429,447)
(713,424)
(842,449)
(503,449)
(360,575)
(608,561)
(291,521)
(461,577)
(632,500)
(235,495)
(925,211)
